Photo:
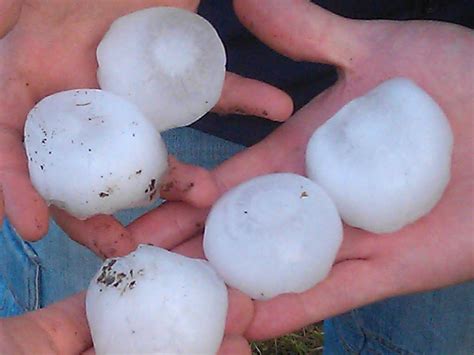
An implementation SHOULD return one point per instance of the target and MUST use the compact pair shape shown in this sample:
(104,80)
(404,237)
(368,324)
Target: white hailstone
(91,152)
(168,61)
(273,234)
(384,158)
(153,301)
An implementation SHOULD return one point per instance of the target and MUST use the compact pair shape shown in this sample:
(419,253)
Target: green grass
(308,341)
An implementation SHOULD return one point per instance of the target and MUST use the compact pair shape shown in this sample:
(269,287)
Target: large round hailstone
(168,61)
(274,234)
(91,152)
(384,158)
(153,301)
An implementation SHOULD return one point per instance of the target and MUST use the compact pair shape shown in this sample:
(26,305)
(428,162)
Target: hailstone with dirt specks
(92,152)
(153,301)
(385,157)
(273,234)
(168,61)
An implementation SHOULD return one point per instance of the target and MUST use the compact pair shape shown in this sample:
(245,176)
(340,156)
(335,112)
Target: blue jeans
(33,275)
(438,322)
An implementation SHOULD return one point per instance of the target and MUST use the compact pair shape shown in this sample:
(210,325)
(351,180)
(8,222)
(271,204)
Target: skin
(432,253)
(10,12)
(49,46)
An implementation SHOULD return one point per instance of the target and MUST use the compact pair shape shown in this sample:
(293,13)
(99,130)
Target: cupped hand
(46,47)
(434,252)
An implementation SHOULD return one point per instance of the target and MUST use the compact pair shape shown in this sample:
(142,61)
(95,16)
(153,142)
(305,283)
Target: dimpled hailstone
(274,234)
(91,152)
(153,301)
(384,158)
(168,61)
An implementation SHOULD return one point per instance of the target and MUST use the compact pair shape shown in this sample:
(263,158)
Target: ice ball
(273,234)
(153,301)
(385,157)
(91,152)
(170,62)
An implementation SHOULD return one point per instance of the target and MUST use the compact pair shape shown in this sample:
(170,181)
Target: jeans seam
(347,347)
(36,304)
(373,336)
(387,343)
(34,287)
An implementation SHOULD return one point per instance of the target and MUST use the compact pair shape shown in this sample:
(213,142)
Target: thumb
(57,329)
(301,30)
(9,14)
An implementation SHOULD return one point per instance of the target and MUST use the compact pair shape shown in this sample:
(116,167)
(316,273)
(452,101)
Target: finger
(350,284)
(180,182)
(102,234)
(252,97)
(357,244)
(9,13)
(24,207)
(58,329)
(240,312)
(201,188)
(168,225)
(301,30)
(234,345)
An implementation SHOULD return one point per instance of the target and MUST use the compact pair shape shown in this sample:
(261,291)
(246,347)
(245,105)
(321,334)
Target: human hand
(434,252)
(48,47)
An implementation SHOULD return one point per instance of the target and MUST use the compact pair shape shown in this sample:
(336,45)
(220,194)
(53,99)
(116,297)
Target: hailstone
(385,157)
(153,301)
(91,152)
(273,234)
(168,61)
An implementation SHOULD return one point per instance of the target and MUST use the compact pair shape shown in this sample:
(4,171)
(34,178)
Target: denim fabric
(36,274)
(19,274)
(8,304)
(439,322)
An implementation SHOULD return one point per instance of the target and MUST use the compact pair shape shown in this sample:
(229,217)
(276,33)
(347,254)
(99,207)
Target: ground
(308,341)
